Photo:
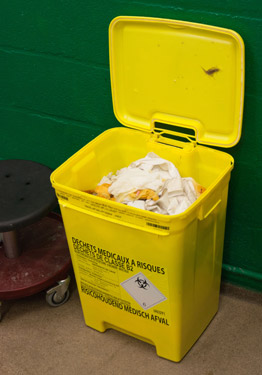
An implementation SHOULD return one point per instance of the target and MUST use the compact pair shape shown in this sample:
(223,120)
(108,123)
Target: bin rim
(163,217)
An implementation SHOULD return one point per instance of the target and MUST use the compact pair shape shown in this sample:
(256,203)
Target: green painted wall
(55,95)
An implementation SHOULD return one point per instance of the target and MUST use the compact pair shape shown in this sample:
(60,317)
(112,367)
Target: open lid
(178,73)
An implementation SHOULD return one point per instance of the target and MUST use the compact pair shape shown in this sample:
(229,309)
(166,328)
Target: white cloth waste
(175,193)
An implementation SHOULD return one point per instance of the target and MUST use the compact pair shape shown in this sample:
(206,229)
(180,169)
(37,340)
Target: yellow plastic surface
(115,247)
(178,73)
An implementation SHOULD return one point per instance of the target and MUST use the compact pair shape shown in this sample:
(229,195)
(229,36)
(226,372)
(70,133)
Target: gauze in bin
(152,172)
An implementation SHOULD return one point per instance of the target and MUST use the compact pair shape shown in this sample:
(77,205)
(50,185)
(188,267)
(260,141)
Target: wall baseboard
(242,277)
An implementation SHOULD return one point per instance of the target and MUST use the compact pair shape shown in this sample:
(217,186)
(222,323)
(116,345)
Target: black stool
(34,253)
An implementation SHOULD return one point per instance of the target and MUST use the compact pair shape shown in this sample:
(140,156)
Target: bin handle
(211,209)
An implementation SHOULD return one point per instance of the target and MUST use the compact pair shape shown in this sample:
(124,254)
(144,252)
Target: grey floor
(38,339)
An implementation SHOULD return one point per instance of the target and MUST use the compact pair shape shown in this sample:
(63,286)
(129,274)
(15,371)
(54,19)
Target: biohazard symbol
(142,283)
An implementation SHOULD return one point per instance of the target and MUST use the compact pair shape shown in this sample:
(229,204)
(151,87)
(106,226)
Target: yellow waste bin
(157,277)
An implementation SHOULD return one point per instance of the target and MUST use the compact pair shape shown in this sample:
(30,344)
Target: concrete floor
(38,339)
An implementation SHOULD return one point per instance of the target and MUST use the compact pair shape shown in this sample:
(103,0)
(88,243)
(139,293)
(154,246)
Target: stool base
(44,259)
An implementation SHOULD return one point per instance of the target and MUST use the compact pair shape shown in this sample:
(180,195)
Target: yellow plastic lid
(178,73)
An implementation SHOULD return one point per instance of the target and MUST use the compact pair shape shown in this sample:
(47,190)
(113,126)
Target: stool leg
(10,242)
(1,310)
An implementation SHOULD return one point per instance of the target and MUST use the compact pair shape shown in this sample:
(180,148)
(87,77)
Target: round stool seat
(26,194)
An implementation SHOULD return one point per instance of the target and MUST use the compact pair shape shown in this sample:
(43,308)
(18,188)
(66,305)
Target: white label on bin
(143,291)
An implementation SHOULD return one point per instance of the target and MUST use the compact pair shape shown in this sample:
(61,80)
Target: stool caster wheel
(51,299)
(59,294)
